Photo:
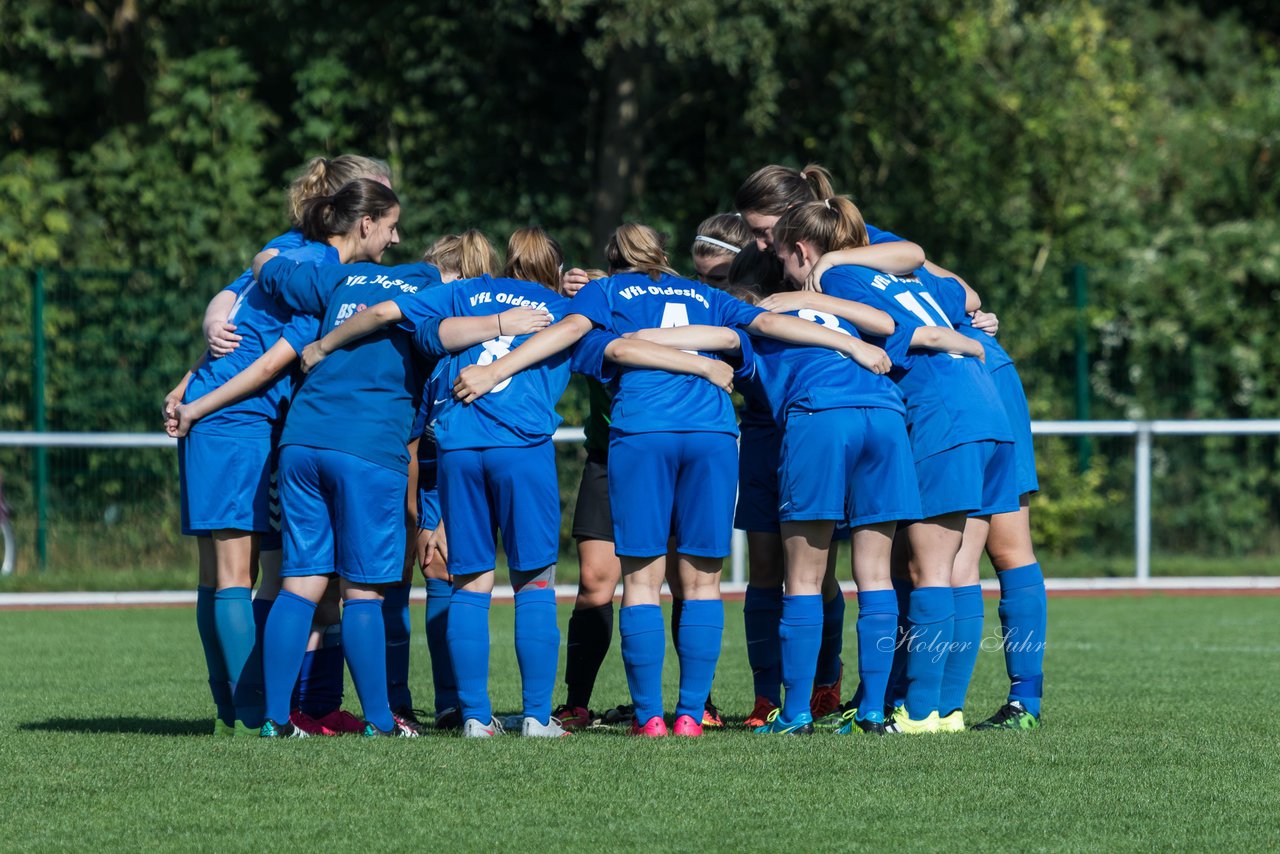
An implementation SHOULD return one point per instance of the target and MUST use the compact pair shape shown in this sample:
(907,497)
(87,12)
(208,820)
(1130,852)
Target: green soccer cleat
(775,725)
(222,729)
(901,724)
(853,726)
(243,730)
(1011,716)
(837,719)
(953,722)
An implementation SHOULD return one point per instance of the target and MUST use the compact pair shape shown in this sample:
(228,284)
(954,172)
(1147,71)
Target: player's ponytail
(638,248)
(720,235)
(328,216)
(467,255)
(532,256)
(831,224)
(772,190)
(324,177)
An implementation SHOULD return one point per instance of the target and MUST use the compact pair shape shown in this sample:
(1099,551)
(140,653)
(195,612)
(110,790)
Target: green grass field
(1159,732)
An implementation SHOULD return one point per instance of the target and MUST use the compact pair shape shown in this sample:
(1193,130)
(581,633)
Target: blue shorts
(848,465)
(428,509)
(977,478)
(672,484)
(225,482)
(342,514)
(1009,385)
(273,540)
(514,490)
(758,452)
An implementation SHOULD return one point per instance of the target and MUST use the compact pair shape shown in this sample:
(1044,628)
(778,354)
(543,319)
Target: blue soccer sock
(219,685)
(966,639)
(701,633)
(320,684)
(801,638)
(896,694)
(395,618)
(829,664)
(1023,617)
(877,636)
(537,649)
(439,594)
(644,645)
(931,621)
(261,611)
(237,637)
(468,635)
(283,646)
(762,614)
(364,641)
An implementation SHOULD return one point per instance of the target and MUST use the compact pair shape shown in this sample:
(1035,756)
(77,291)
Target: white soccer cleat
(551,729)
(475,729)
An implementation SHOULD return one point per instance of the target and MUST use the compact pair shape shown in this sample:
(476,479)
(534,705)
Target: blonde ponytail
(639,248)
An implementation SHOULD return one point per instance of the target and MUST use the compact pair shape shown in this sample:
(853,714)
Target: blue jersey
(649,401)
(951,296)
(520,410)
(361,399)
(261,322)
(815,379)
(291,239)
(950,399)
(876,235)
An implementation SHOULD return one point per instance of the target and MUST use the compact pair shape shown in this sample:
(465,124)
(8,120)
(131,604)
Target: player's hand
(870,356)
(437,542)
(171,401)
(718,373)
(523,321)
(260,260)
(986,321)
(786,301)
(571,281)
(221,337)
(813,281)
(475,381)
(312,355)
(180,423)
(422,550)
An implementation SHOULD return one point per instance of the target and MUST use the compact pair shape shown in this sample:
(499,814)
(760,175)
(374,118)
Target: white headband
(729,246)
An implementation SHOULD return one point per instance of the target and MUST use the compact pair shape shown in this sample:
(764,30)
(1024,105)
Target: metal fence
(1144,434)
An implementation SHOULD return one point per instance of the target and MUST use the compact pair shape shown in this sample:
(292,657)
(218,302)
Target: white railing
(1143,431)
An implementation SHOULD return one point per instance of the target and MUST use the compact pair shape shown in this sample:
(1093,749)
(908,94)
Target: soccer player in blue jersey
(672,461)
(320,177)
(466,256)
(960,437)
(763,197)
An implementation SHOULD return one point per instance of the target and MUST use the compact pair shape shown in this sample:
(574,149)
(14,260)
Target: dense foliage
(1011,140)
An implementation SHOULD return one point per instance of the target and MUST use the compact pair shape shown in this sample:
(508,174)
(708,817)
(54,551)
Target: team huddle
(350,420)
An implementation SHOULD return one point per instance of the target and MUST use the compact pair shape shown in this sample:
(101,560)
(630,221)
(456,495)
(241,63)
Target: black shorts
(592,518)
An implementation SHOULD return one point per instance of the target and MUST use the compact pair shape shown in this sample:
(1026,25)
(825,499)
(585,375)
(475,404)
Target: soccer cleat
(243,730)
(852,725)
(775,725)
(825,699)
(475,729)
(411,718)
(711,715)
(953,722)
(1011,716)
(685,725)
(530,728)
(901,724)
(309,725)
(271,729)
(399,729)
(624,714)
(838,718)
(655,727)
(450,718)
(342,722)
(572,717)
(222,729)
(759,713)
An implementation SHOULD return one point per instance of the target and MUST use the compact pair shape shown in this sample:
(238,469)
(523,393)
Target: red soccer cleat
(760,713)
(687,726)
(655,727)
